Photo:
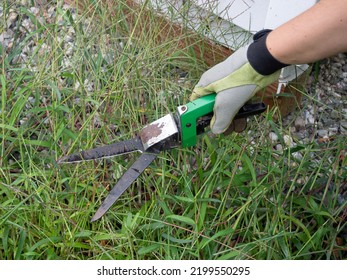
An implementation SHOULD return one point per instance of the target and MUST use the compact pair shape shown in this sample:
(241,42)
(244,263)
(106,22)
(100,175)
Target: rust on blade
(151,131)
(158,131)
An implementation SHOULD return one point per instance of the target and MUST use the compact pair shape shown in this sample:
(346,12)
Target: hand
(236,81)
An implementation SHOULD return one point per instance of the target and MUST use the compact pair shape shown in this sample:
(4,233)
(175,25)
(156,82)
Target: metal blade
(124,182)
(119,148)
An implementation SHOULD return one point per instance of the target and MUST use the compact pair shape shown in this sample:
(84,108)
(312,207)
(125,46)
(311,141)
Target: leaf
(148,249)
(284,247)
(221,233)
(18,106)
(107,236)
(156,225)
(84,233)
(55,90)
(5,240)
(183,198)
(298,223)
(164,207)
(9,127)
(326,214)
(182,219)
(3,91)
(21,242)
(41,143)
(251,169)
(45,241)
(176,240)
(230,255)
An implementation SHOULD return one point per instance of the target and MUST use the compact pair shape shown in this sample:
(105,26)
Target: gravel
(324,113)
(325,107)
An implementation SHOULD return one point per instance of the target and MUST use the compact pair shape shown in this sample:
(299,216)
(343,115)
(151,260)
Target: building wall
(255,15)
(231,22)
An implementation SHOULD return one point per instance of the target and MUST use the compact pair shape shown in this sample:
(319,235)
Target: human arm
(317,33)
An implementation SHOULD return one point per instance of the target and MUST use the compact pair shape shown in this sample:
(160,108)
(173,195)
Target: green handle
(190,113)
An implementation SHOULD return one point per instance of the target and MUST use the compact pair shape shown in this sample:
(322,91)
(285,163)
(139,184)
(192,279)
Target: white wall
(254,15)
(231,22)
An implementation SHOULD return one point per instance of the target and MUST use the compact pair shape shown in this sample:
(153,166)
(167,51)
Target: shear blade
(119,148)
(125,181)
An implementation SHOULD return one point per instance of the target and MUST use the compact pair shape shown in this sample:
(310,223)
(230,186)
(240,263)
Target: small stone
(297,156)
(322,133)
(299,123)
(6,38)
(23,121)
(309,119)
(273,137)
(97,122)
(288,140)
(35,11)
(69,49)
(333,131)
(292,129)
(77,86)
(12,19)
(68,38)
(279,148)
(300,135)
(51,11)
(343,127)
(89,86)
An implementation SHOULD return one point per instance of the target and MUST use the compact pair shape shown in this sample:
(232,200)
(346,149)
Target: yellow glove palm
(235,81)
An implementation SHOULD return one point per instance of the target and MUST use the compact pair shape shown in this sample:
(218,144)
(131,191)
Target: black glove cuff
(259,56)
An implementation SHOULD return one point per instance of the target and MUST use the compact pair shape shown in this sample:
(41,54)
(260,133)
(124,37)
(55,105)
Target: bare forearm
(317,33)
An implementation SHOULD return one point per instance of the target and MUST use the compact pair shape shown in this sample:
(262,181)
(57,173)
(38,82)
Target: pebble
(12,19)
(273,137)
(88,85)
(297,155)
(322,133)
(7,38)
(343,127)
(309,118)
(279,148)
(34,10)
(299,123)
(288,140)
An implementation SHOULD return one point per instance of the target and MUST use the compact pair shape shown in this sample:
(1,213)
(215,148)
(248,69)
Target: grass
(229,197)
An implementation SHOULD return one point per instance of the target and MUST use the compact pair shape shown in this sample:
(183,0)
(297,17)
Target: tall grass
(229,197)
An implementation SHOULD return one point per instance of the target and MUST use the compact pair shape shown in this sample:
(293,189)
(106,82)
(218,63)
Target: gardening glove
(237,79)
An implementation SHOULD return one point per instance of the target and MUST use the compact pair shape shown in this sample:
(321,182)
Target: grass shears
(179,128)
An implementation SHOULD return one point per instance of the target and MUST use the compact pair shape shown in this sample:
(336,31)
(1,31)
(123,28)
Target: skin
(319,32)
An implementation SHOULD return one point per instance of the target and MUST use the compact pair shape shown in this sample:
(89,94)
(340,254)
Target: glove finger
(227,104)
(224,68)
(218,72)
(199,92)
